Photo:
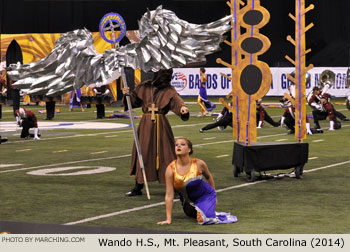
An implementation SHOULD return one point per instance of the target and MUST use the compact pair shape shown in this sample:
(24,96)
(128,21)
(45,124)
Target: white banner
(174,242)
(186,81)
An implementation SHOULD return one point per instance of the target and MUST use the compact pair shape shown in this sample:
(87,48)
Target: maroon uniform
(321,109)
(27,121)
(262,115)
(327,106)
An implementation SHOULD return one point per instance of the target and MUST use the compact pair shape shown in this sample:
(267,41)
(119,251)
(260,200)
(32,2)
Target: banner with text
(186,81)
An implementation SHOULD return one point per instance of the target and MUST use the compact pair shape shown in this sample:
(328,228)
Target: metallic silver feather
(165,42)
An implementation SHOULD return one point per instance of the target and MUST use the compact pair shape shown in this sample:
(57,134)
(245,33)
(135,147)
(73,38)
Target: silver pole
(137,143)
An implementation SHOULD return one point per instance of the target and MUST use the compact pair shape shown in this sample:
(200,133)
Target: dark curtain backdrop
(329,39)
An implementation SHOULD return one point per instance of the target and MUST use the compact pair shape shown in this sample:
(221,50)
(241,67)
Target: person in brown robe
(155,135)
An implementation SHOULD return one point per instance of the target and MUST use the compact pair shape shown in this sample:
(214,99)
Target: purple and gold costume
(203,96)
(200,194)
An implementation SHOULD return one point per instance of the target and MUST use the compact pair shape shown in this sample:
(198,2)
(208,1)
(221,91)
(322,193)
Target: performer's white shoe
(308,130)
(36,135)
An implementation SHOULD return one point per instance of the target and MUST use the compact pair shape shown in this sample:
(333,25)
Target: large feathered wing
(71,64)
(165,42)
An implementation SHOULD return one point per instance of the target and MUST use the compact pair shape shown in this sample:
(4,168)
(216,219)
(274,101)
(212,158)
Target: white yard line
(99,152)
(127,131)
(59,151)
(189,125)
(281,140)
(117,213)
(163,203)
(319,140)
(23,150)
(128,155)
(65,163)
(209,138)
(282,134)
(9,165)
(223,156)
(72,136)
(311,158)
(327,166)
(97,134)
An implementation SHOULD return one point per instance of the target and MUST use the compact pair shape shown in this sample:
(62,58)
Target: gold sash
(157,122)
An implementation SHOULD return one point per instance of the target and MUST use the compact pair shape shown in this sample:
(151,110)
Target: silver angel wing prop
(165,42)
(71,64)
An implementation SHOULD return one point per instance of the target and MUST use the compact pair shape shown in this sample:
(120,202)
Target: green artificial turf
(316,203)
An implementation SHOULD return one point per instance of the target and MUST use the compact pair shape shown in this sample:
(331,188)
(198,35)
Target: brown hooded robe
(165,99)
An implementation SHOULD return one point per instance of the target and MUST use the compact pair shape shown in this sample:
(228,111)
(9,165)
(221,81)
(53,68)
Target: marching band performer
(3,90)
(75,94)
(288,117)
(27,120)
(223,120)
(186,174)
(156,97)
(320,103)
(326,82)
(347,101)
(262,115)
(3,139)
(205,105)
(50,108)
(100,93)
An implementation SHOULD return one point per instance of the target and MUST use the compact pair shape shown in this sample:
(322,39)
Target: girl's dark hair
(202,69)
(188,142)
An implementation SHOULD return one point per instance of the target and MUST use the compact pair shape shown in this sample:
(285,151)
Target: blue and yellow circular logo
(116,21)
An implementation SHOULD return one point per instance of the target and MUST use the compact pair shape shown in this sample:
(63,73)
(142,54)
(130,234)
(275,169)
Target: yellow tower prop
(300,69)
(236,57)
(251,78)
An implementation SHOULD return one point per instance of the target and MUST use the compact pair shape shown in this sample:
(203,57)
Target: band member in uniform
(327,81)
(224,119)
(288,117)
(50,108)
(100,107)
(14,95)
(156,97)
(262,115)
(320,103)
(27,120)
(186,174)
(75,96)
(205,105)
(3,139)
(347,101)
(325,84)
(3,91)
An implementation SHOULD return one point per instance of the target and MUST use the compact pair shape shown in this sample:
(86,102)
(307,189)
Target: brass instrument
(326,80)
